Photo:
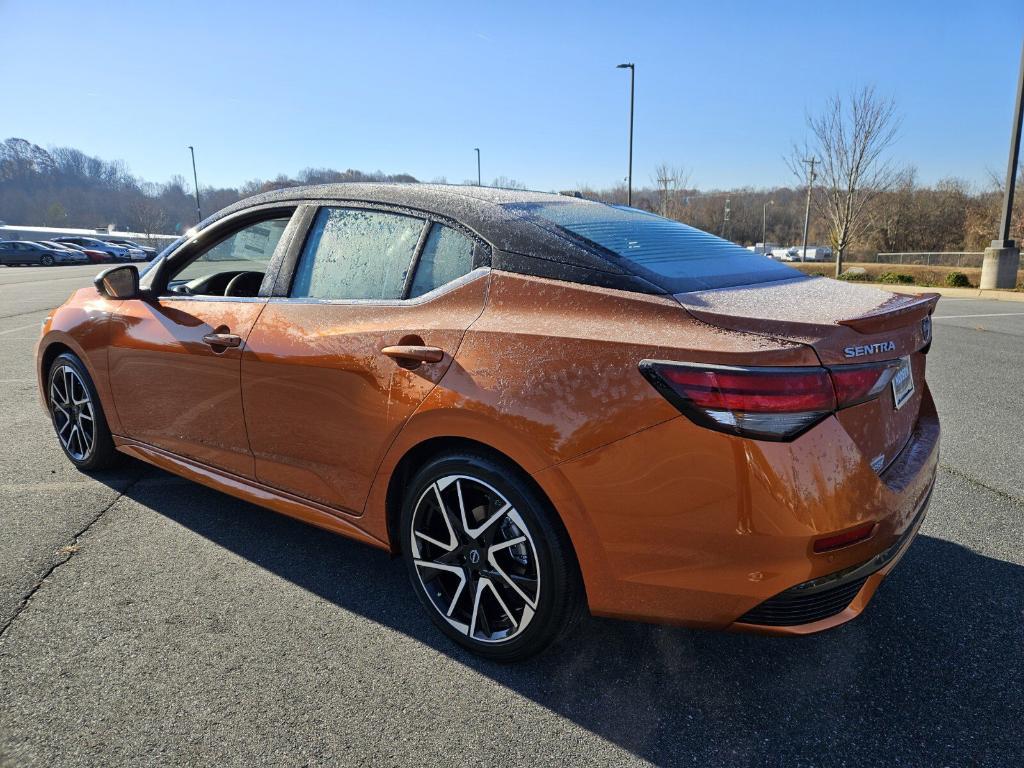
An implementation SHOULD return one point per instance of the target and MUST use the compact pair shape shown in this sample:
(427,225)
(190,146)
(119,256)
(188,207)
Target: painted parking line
(19,328)
(962,317)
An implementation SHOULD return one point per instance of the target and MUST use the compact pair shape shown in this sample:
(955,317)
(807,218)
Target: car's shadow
(930,674)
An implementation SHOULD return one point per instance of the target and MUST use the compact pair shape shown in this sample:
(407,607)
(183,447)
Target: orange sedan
(544,405)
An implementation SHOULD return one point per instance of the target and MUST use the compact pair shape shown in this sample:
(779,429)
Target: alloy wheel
(475,558)
(74,416)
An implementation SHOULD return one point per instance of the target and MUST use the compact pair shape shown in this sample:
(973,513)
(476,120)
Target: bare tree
(850,139)
(147,216)
(504,182)
(669,180)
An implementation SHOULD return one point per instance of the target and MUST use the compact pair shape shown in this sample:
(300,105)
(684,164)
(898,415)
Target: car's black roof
(518,244)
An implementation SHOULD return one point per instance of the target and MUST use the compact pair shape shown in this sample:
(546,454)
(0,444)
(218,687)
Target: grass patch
(901,274)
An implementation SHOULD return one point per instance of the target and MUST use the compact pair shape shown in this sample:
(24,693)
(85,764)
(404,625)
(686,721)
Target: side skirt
(249,490)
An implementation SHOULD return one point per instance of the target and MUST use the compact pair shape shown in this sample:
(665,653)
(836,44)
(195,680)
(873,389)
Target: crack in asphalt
(29,312)
(69,550)
(1017,500)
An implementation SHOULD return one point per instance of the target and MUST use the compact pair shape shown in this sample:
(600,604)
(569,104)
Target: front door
(175,360)
(378,306)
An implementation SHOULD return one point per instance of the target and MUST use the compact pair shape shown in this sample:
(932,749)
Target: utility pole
(632,83)
(764,227)
(479,183)
(807,210)
(725,220)
(664,180)
(195,180)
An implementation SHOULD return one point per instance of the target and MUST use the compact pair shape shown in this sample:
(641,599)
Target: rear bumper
(681,525)
(829,600)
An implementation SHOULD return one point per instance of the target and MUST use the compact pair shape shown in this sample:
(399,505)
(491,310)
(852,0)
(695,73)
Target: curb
(959,293)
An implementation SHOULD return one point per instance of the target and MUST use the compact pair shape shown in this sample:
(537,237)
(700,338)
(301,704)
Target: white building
(15,232)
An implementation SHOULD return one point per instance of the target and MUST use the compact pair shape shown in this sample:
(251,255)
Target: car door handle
(415,354)
(222,340)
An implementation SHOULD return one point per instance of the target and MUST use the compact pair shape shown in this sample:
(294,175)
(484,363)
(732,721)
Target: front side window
(447,255)
(357,254)
(247,250)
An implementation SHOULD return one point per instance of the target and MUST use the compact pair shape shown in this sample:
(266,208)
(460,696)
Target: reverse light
(859,383)
(768,403)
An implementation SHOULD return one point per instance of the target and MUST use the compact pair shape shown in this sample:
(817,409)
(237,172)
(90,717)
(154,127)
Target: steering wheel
(244,284)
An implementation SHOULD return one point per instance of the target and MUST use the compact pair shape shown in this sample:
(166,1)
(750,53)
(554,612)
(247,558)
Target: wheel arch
(422,452)
(57,342)
(47,354)
(550,486)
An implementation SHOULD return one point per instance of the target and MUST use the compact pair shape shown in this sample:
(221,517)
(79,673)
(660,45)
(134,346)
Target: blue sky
(262,88)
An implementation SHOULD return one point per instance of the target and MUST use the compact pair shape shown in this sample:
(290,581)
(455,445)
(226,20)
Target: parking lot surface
(145,620)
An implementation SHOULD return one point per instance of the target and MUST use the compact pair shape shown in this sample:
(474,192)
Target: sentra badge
(870,349)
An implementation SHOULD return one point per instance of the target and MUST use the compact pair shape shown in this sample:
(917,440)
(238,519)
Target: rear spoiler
(883,319)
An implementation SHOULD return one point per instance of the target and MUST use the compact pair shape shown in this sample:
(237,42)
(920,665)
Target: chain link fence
(930,258)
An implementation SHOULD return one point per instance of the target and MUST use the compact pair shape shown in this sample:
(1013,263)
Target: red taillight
(766,403)
(844,539)
(777,391)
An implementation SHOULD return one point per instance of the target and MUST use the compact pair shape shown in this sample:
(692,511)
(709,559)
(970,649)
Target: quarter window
(447,255)
(357,254)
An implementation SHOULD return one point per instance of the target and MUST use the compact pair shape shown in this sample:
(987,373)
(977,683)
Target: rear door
(324,390)
(175,360)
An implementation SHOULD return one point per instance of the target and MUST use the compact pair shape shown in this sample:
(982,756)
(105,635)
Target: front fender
(82,327)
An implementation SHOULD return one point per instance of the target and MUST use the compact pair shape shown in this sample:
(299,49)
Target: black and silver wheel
(46,260)
(487,558)
(78,416)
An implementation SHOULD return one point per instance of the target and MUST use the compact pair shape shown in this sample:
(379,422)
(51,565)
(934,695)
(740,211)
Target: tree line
(64,187)
(861,203)
(947,216)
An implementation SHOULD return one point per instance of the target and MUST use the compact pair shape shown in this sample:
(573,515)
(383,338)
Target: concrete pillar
(999,269)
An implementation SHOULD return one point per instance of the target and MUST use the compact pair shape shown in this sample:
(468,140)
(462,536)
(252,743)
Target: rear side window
(447,255)
(357,254)
(670,254)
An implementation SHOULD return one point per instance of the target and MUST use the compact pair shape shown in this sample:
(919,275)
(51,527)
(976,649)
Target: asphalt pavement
(146,620)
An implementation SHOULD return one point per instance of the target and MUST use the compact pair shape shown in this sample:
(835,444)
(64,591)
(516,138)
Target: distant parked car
(796,253)
(149,252)
(118,252)
(783,254)
(27,252)
(94,257)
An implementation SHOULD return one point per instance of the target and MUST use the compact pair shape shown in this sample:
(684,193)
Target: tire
(502,601)
(46,260)
(73,403)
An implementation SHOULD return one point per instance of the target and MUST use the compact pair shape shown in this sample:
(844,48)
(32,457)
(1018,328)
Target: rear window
(672,255)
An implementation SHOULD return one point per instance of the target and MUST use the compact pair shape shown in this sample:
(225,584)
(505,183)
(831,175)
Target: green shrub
(957,280)
(895,277)
(857,274)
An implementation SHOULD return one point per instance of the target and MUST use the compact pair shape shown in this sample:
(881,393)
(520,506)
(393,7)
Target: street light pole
(1002,258)
(1011,168)
(807,210)
(632,82)
(195,180)
(479,183)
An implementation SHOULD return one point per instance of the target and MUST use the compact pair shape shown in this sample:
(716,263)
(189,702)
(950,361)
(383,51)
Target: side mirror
(120,282)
